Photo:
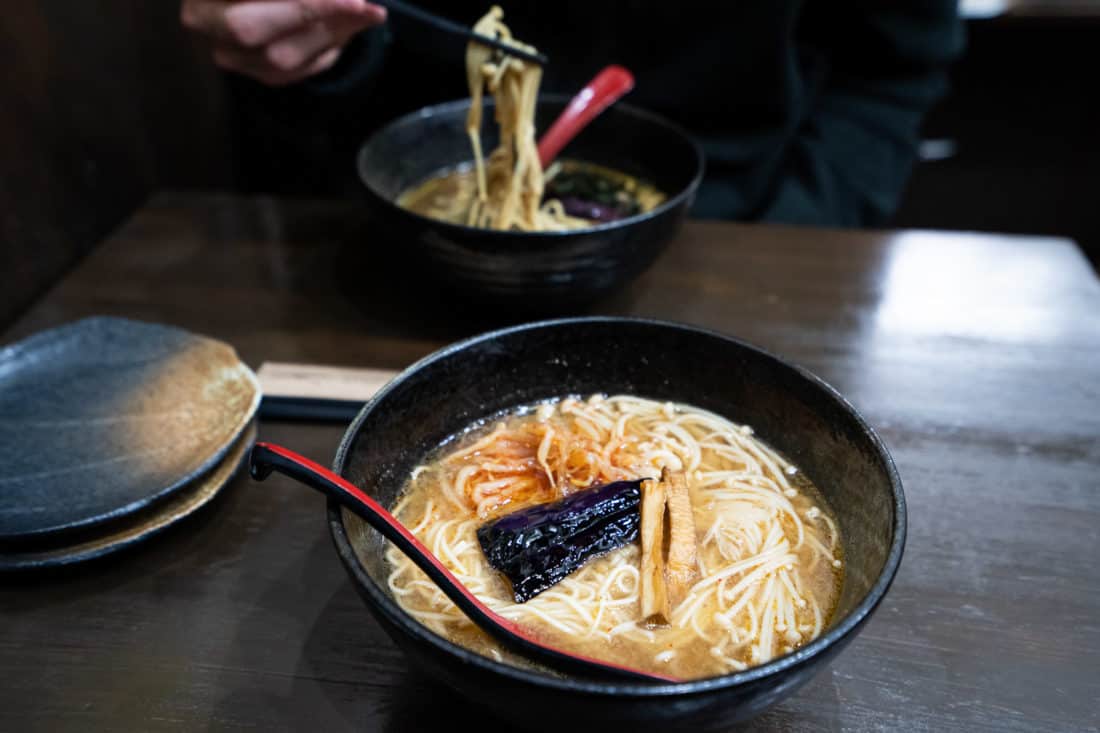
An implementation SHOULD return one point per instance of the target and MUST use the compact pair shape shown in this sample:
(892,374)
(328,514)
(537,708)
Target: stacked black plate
(112,430)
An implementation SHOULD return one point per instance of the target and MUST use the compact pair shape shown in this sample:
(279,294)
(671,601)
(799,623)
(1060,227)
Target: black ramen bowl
(548,271)
(788,407)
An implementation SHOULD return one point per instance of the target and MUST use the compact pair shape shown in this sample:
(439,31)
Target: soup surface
(587,194)
(769,563)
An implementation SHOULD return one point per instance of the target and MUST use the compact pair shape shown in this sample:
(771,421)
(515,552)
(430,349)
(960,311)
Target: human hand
(279,41)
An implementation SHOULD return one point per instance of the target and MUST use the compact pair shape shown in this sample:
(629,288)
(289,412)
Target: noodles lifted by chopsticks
(510,183)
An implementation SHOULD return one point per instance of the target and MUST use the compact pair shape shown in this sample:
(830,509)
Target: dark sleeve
(357,69)
(301,138)
(880,66)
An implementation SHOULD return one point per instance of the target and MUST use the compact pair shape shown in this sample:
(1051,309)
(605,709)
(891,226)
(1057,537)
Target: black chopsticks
(449,26)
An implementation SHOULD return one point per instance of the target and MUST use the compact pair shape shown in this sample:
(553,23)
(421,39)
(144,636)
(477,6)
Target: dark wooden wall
(101,102)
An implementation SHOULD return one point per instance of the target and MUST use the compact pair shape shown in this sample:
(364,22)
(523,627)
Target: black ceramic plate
(104,417)
(140,525)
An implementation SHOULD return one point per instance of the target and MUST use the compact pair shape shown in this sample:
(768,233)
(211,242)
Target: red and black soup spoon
(266,458)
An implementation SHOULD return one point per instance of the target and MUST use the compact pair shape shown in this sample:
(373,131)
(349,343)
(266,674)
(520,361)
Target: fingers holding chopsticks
(279,41)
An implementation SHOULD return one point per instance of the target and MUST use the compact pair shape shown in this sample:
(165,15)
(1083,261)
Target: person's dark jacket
(808,112)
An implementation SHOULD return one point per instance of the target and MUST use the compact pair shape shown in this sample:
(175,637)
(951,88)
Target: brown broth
(693,658)
(448,195)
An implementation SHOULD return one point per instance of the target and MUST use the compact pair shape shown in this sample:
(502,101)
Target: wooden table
(976,357)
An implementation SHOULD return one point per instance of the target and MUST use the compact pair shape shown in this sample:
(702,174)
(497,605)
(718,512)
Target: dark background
(104,102)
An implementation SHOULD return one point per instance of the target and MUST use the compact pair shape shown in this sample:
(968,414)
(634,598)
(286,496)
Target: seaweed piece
(538,546)
(592,195)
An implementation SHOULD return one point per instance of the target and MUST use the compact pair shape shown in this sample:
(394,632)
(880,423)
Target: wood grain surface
(976,357)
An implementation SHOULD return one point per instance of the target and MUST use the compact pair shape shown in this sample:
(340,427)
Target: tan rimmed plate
(142,525)
(105,417)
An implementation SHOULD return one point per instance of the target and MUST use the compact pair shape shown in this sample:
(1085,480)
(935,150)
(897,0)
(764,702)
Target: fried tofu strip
(653,589)
(682,567)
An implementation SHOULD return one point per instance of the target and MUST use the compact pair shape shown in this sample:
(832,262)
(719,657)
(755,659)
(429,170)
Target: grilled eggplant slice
(536,547)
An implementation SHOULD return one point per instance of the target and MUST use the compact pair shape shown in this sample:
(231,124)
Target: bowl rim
(819,646)
(672,202)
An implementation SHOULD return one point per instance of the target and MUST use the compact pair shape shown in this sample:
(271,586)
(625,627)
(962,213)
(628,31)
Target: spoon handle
(604,89)
(266,457)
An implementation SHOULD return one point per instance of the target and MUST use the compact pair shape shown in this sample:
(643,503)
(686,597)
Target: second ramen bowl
(534,271)
(788,407)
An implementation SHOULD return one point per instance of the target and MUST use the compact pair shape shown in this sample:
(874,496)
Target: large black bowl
(791,409)
(536,270)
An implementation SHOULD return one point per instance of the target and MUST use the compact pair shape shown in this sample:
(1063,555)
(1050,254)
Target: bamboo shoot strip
(683,565)
(654,593)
